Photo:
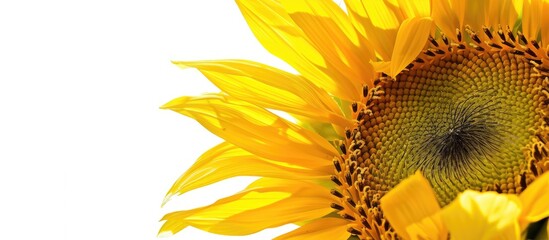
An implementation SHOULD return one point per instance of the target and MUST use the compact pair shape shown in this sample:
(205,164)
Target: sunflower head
(456,90)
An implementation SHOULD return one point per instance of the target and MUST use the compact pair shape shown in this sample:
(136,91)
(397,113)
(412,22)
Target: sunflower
(455,90)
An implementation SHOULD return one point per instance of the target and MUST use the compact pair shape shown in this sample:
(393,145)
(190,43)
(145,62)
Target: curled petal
(535,200)
(406,205)
(270,88)
(411,39)
(255,129)
(487,215)
(265,203)
(226,160)
(280,35)
(428,228)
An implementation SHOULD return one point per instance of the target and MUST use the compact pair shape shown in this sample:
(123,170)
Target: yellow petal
(377,22)
(428,228)
(324,228)
(487,215)
(445,18)
(255,129)
(264,204)
(382,66)
(270,88)
(460,8)
(502,12)
(544,26)
(226,160)
(279,34)
(535,200)
(329,29)
(531,18)
(411,39)
(415,8)
(450,15)
(472,13)
(408,203)
(356,19)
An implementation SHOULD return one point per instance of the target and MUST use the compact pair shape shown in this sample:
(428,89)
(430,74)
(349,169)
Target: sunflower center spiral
(457,139)
(467,117)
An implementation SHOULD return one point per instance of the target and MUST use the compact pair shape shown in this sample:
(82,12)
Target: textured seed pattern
(468,116)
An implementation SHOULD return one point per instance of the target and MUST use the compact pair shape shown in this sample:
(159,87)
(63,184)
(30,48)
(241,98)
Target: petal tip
(166,199)
(180,64)
(174,103)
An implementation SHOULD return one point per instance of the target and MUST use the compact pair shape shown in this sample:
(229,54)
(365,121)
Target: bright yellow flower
(456,89)
(472,215)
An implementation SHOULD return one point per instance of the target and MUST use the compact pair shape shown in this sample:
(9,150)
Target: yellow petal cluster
(472,215)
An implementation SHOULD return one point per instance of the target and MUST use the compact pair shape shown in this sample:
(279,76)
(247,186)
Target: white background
(85,152)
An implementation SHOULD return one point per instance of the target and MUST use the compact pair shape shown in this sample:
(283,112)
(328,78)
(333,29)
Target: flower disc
(464,121)
(467,117)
